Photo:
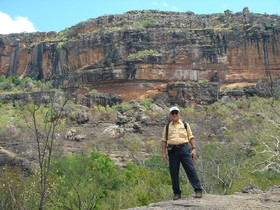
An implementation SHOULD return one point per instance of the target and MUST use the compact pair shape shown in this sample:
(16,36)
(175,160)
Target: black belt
(178,145)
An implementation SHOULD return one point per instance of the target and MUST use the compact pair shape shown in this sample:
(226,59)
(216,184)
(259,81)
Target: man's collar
(179,122)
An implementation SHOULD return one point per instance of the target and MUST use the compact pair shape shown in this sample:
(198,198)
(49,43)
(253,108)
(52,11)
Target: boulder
(112,131)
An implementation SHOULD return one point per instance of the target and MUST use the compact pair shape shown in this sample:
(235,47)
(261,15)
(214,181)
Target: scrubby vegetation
(246,154)
(87,182)
(15,84)
(238,145)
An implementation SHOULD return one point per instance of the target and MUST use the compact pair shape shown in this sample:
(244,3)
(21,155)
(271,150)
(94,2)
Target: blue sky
(56,15)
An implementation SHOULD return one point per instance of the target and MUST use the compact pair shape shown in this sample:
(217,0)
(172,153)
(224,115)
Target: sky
(55,15)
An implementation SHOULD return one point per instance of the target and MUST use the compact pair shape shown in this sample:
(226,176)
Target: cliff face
(149,46)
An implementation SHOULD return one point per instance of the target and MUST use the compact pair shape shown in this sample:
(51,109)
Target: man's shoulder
(182,122)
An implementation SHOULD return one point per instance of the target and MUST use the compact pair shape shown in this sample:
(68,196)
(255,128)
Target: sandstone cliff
(148,48)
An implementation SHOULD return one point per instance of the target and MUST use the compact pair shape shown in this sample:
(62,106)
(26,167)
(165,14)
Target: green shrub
(126,106)
(101,108)
(146,103)
(3,79)
(147,22)
(93,91)
(6,86)
(13,189)
(60,45)
(155,163)
(85,181)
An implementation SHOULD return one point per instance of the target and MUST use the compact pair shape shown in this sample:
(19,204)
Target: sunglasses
(174,112)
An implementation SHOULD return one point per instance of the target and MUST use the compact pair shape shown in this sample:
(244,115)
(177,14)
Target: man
(177,142)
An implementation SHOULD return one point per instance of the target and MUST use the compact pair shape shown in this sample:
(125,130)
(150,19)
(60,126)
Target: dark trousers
(182,155)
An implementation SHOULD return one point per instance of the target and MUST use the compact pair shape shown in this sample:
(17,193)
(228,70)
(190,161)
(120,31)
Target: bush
(146,103)
(2,79)
(13,190)
(155,163)
(85,181)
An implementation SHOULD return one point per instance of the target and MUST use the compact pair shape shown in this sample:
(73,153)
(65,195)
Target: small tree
(44,122)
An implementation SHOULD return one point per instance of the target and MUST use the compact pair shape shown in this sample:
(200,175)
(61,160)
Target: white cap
(174,108)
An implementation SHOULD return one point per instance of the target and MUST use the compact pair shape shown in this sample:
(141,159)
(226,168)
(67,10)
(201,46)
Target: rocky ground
(261,200)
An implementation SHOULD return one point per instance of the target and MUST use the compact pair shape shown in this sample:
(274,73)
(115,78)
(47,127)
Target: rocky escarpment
(36,97)
(52,96)
(184,94)
(193,93)
(149,47)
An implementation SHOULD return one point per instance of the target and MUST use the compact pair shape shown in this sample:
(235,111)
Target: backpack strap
(185,125)
(167,128)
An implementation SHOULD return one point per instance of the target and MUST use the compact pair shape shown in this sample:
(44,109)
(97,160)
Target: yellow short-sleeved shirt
(177,134)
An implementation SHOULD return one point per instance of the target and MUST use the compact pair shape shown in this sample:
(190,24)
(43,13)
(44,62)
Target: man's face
(174,115)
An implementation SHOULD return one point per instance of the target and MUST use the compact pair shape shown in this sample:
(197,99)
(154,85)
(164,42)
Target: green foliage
(189,111)
(125,106)
(221,14)
(13,189)
(278,94)
(146,103)
(93,91)
(85,181)
(9,83)
(101,108)
(95,182)
(220,166)
(155,163)
(234,25)
(203,80)
(134,144)
(142,54)
(250,155)
(64,32)
(205,42)
(10,116)
(190,34)
(143,186)
(60,45)
(3,79)
(147,22)
(110,109)
(15,79)
(14,84)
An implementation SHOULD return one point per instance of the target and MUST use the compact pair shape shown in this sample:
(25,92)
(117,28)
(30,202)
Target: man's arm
(163,145)
(163,151)
(192,142)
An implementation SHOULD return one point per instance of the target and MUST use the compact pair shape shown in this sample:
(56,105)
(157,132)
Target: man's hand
(164,157)
(193,154)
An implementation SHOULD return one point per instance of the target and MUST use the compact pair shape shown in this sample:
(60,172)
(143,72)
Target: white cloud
(155,3)
(19,24)
(164,4)
(174,8)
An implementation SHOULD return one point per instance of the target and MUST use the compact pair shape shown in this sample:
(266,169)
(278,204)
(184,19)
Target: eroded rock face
(51,96)
(36,97)
(95,99)
(149,45)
